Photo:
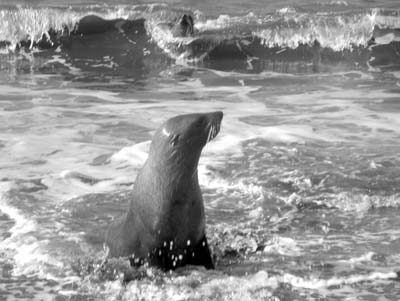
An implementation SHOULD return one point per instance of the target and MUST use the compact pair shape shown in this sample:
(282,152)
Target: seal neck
(178,172)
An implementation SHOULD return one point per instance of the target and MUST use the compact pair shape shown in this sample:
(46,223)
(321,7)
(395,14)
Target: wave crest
(286,35)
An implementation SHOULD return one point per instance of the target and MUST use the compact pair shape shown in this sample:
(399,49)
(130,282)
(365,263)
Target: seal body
(165,222)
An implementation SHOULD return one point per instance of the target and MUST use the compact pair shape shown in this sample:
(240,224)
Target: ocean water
(301,186)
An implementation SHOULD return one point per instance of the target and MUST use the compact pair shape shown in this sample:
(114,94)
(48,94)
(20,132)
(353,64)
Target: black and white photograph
(200,150)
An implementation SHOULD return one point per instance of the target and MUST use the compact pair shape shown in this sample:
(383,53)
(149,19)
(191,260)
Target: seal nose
(217,116)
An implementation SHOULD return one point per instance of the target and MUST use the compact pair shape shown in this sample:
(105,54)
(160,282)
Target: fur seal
(184,27)
(165,223)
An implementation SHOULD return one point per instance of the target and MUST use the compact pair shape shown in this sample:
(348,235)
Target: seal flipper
(201,255)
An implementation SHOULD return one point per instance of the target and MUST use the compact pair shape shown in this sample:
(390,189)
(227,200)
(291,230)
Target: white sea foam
(300,282)
(226,21)
(208,179)
(387,39)
(342,35)
(25,250)
(170,44)
(363,258)
(58,59)
(135,155)
(385,20)
(258,286)
(255,287)
(337,32)
(362,202)
(339,3)
(283,245)
(22,224)
(22,22)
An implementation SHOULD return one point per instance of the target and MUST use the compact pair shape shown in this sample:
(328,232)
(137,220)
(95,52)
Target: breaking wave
(357,37)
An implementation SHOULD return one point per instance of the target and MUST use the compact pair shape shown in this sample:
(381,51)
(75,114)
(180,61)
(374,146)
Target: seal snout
(214,125)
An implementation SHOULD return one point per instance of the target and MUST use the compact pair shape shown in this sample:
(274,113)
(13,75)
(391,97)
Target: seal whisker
(209,135)
(214,131)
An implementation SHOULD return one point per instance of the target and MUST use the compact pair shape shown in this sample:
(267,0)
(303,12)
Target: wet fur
(165,223)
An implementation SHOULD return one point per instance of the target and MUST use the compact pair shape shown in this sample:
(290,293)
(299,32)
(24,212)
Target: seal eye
(174,139)
(200,123)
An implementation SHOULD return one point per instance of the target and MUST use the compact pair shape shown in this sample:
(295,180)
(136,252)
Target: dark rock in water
(30,186)
(4,44)
(6,271)
(101,160)
(6,223)
(35,162)
(83,178)
(92,25)
(379,257)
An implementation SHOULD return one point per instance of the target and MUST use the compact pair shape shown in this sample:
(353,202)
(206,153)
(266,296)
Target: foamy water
(300,186)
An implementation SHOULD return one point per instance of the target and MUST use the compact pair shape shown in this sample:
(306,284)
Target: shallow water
(300,186)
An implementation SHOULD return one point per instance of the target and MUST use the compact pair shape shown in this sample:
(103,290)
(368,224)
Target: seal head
(179,142)
(165,222)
